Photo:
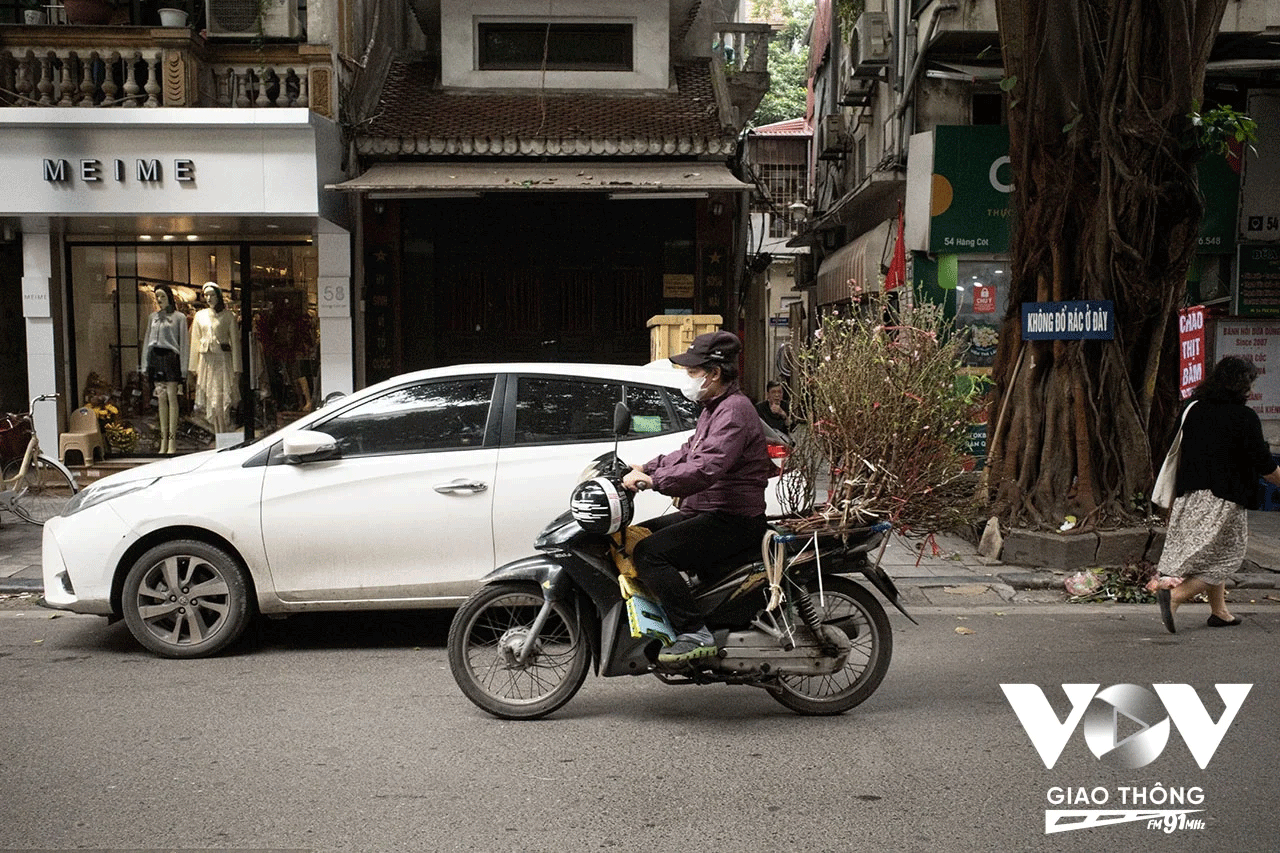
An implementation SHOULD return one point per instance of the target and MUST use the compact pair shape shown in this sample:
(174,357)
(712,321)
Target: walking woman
(1223,455)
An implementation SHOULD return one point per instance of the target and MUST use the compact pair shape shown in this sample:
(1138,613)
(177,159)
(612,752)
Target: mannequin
(215,359)
(163,352)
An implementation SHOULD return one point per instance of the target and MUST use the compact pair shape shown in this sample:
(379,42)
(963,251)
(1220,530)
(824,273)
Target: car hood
(169,467)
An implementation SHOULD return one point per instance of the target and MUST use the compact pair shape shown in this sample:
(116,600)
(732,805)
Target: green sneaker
(689,647)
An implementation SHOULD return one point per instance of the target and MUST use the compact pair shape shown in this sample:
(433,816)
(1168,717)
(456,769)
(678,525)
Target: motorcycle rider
(719,475)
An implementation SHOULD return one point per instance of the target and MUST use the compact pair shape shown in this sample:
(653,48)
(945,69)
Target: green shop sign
(970,207)
(970,198)
(1220,187)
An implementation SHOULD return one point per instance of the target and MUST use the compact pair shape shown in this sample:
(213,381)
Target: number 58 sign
(334,297)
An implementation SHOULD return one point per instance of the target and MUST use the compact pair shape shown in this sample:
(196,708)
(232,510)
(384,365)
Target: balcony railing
(740,63)
(62,66)
(743,47)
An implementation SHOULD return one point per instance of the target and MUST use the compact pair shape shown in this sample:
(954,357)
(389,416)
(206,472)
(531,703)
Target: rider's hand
(637,480)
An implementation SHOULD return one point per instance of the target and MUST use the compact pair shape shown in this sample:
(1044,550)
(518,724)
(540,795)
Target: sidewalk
(937,571)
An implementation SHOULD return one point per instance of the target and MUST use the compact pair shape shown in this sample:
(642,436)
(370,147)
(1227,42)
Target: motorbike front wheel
(485,643)
(852,608)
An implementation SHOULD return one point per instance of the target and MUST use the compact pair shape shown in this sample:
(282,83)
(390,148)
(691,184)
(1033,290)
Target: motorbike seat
(711,573)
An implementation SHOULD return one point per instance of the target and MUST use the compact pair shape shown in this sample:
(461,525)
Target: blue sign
(1069,321)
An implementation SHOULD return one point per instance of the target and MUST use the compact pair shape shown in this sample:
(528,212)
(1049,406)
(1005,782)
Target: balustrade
(743,47)
(151,68)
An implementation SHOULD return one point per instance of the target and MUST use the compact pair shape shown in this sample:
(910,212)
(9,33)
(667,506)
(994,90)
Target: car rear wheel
(186,599)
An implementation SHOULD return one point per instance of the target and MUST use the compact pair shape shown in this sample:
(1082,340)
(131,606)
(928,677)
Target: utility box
(671,334)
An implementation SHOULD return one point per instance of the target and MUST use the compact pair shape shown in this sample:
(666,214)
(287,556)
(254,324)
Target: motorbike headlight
(94,495)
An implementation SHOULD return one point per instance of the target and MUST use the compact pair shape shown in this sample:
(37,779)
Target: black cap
(711,348)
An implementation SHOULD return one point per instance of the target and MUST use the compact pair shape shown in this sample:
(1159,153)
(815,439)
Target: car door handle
(461,485)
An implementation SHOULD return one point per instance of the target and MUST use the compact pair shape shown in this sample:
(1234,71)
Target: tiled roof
(790,127)
(414,118)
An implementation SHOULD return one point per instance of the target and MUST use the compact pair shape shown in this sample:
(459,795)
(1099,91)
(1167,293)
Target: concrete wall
(651,50)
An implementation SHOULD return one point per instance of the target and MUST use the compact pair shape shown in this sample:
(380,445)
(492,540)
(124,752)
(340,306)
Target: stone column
(333,255)
(42,362)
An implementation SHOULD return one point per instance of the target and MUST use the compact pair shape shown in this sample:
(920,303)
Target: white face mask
(694,388)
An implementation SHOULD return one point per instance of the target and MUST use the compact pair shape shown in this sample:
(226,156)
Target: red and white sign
(984,299)
(1190,349)
(1257,341)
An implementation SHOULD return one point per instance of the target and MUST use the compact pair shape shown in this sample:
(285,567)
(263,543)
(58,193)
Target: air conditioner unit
(251,18)
(856,91)
(832,137)
(870,48)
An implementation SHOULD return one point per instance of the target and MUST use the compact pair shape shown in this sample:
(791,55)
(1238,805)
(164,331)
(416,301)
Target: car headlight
(95,495)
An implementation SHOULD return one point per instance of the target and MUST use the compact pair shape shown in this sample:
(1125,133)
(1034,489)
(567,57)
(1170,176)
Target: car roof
(658,373)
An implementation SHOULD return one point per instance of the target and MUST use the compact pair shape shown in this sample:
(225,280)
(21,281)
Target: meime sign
(93,171)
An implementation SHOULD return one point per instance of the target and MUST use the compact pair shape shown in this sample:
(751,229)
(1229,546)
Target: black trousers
(693,544)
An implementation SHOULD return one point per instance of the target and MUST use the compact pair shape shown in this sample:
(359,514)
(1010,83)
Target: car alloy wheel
(186,599)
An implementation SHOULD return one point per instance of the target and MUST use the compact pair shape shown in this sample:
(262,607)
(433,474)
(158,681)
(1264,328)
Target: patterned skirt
(1206,538)
(216,386)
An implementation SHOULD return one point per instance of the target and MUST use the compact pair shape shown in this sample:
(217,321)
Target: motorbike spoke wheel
(852,608)
(41,494)
(186,599)
(485,644)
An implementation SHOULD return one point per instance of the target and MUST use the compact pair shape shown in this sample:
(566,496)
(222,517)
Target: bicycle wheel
(43,492)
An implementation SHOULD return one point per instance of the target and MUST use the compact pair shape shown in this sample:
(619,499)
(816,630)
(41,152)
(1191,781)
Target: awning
(854,265)
(409,180)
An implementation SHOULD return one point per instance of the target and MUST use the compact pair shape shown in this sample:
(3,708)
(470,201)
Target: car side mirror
(307,445)
(621,420)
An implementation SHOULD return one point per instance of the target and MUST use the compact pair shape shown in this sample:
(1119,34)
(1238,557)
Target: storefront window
(982,293)
(190,374)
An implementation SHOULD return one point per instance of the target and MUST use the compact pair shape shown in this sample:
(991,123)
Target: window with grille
(786,186)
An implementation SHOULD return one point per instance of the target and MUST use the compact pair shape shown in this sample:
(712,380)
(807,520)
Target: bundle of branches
(886,414)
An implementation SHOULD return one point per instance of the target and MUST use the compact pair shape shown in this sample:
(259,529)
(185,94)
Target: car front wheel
(186,599)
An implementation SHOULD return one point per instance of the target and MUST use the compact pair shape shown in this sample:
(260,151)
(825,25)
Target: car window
(445,415)
(563,409)
(686,409)
(558,409)
(649,412)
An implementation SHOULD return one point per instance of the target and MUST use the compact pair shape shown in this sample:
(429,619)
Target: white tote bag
(1166,487)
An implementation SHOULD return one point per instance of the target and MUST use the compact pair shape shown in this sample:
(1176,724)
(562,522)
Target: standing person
(1223,454)
(720,475)
(773,410)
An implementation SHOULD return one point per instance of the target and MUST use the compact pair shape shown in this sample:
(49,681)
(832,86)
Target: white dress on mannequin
(215,361)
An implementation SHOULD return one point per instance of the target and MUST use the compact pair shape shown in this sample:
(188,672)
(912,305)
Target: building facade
(909,121)
(539,180)
(145,158)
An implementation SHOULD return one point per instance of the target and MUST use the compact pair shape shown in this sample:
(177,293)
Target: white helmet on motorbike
(600,505)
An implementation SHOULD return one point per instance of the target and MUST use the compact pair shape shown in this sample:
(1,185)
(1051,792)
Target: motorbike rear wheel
(485,641)
(852,608)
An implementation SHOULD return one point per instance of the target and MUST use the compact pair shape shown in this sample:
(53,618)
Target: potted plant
(33,13)
(173,15)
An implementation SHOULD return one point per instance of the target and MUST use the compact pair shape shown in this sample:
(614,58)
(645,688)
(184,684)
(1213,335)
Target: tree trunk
(1106,207)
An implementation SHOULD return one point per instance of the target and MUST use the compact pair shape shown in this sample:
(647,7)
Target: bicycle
(34,487)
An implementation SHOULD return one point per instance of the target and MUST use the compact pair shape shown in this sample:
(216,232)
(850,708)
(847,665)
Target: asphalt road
(347,733)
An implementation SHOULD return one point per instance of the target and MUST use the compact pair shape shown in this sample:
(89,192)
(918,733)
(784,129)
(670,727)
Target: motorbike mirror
(621,420)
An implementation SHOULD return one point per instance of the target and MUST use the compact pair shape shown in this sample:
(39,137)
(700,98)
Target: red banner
(1190,349)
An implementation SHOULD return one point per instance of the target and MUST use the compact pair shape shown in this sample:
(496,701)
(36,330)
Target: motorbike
(788,617)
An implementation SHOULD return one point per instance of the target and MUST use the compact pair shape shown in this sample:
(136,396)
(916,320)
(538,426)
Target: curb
(18,586)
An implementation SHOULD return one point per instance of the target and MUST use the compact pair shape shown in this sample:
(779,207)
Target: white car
(402,495)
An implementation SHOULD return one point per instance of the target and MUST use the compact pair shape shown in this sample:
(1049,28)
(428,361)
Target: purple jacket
(724,465)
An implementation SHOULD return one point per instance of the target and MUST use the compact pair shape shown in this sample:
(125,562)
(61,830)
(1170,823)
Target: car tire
(186,599)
